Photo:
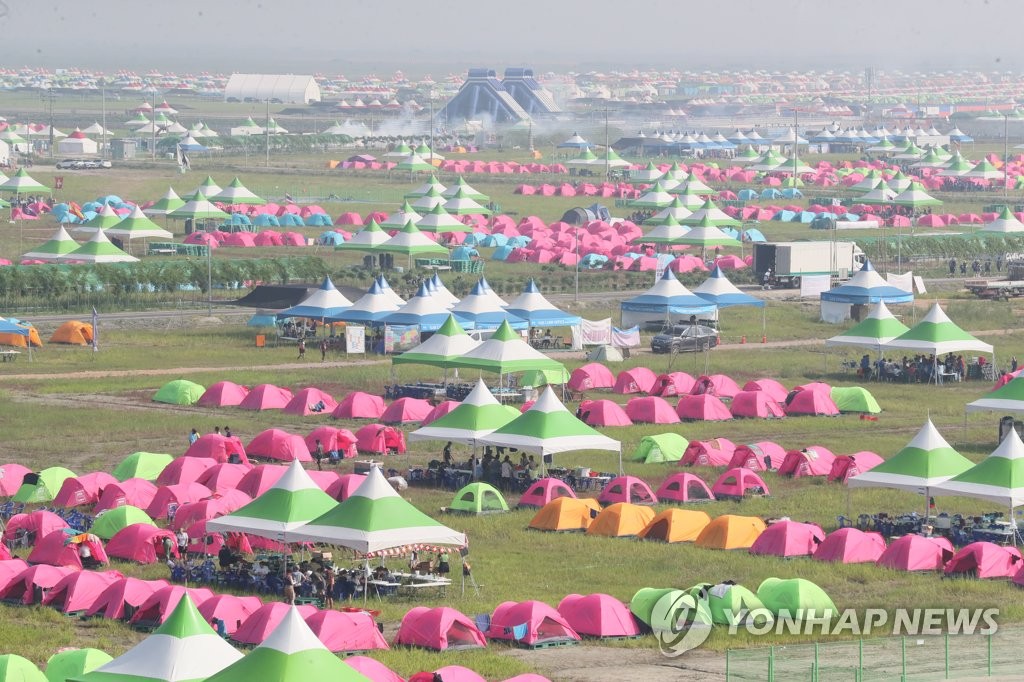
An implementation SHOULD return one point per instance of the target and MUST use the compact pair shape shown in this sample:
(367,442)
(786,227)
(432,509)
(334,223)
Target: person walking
(318,455)
(193,437)
(323,350)
(302,349)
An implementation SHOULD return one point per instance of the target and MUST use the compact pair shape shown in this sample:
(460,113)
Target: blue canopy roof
(423,311)
(325,302)
(668,296)
(538,311)
(867,286)
(719,290)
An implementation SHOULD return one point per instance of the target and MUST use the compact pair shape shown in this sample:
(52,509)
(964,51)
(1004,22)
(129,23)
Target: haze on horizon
(362,36)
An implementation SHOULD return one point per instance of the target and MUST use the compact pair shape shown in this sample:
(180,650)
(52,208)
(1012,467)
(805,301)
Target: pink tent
(543,491)
(717,385)
(223,394)
(380,439)
(756,405)
(11,476)
(636,380)
(405,410)
(5,553)
(333,439)
(268,238)
(845,466)
(651,410)
(984,560)
(57,549)
(591,376)
(737,483)
(730,262)
(704,407)
(182,470)
(260,479)
(439,410)
(543,623)
(217,447)
(455,673)
(810,402)
(373,669)
(10,569)
(221,478)
(627,489)
(346,485)
(916,553)
(684,487)
(819,386)
(141,543)
(266,397)
(82,490)
(342,631)
(311,401)
(359,405)
(230,609)
(686,263)
(137,492)
(603,413)
(439,629)
(850,546)
(204,510)
(243,239)
(814,460)
(261,622)
(349,218)
(161,603)
(120,599)
(674,383)
(773,388)
(788,539)
(716,452)
(598,615)
(32,584)
(168,498)
(78,592)
(280,445)
(760,456)
(34,526)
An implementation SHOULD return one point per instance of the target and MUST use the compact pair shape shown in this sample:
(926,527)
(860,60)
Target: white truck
(789,261)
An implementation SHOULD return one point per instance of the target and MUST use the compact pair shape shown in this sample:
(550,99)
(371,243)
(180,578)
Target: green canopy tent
(137,226)
(179,392)
(23,183)
(706,234)
(183,649)
(413,163)
(478,498)
(144,465)
(429,201)
(854,399)
(667,231)
(45,487)
(874,331)
(476,416)
(424,189)
(674,212)
(463,188)
(208,188)
(688,197)
(291,653)
(655,197)
(411,242)
(368,239)
(661,447)
(443,349)
(56,248)
(166,204)
(198,207)
(461,203)
(70,663)
(237,193)
(439,220)
(99,249)
(1005,223)
(506,352)
(1008,398)
(398,219)
(104,218)
(109,522)
(915,197)
(937,335)
(710,214)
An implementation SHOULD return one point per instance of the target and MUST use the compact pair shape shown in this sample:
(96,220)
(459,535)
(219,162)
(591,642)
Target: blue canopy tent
(422,310)
(482,310)
(325,302)
(719,290)
(668,300)
(864,288)
(538,311)
(370,308)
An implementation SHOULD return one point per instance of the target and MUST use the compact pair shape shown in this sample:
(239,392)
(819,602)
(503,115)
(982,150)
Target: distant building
(259,87)
(516,98)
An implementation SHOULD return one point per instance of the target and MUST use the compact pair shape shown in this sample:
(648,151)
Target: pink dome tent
(704,407)
(261,622)
(846,466)
(10,569)
(210,508)
(627,489)
(309,400)
(406,410)
(756,405)
(223,394)
(60,548)
(82,490)
(35,525)
(79,591)
(543,491)
(332,439)
(543,623)
(850,546)
(279,445)
(814,460)
(674,383)
(439,410)
(651,410)
(373,669)
(737,483)
(810,402)
(916,553)
(716,452)
(718,385)
(159,605)
(141,543)
(168,498)
(342,631)
(603,413)
(216,447)
(11,476)
(346,486)
(359,405)
(773,388)
(983,560)
(439,629)
(137,492)
(31,585)
(636,380)
(788,539)
(683,487)
(182,470)
(260,478)
(230,609)
(266,397)
(221,478)
(598,615)
(120,599)
(455,673)
(380,439)
(760,456)
(590,377)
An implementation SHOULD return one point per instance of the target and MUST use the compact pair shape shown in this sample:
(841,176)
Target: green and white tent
(169,202)
(1005,223)
(1007,398)
(428,201)
(281,511)
(667,231)
(505,352)
(439,220)
(792,165)
(688,197)
(655,197)
(709,214)
(705,234)
(675,211)
(399,152)
(375,518)
(23,183)
(237,193)
(985,171)
(466,189)
(464,204)
(99,249)
(56,248)
(137,226)
(477,415)
(646,175)
(548,428)
(998,478)
(411,242)
(104,218)
(869,182)
(291,653)
(445,346)
(367,239)
(423,189)
(183,649)
(956,166)
(209,188)
(412,163)
(198,207)
(937,334)
(915,197)
(401,217)
(874,331)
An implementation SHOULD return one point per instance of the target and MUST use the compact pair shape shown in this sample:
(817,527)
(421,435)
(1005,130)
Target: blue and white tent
(423,310)
(867,286)
(719,290)
(538,311)
(480,310)
(373,306)
(667,300)
(323,303)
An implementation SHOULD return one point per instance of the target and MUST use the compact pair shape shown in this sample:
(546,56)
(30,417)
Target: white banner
(811,286)
(919,284)
(904,282)
(597,332)
(626,338)
(355,339)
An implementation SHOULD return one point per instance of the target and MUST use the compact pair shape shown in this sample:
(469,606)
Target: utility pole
(103,122)
(1006,152)
(152,141)
(430,95)
(607,157)
(51,120)
(266,132)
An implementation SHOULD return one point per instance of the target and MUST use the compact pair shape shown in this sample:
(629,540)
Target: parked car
(67,163)
(684,338)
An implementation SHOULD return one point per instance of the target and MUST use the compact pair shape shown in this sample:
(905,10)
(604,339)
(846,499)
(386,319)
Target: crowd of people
(920,369)
(495,467)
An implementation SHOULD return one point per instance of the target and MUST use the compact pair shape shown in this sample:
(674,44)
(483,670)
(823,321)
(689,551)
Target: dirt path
(590,662)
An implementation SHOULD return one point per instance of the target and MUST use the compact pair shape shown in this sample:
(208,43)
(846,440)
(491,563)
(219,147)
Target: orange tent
(731,532)
(566,514)
(73,332)
(676,525)
(621,520)
(20,341)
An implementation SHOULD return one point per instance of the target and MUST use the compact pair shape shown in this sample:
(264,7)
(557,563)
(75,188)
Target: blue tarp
(330,238)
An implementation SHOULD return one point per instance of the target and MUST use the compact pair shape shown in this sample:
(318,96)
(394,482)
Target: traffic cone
(743,339)
(764,338)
